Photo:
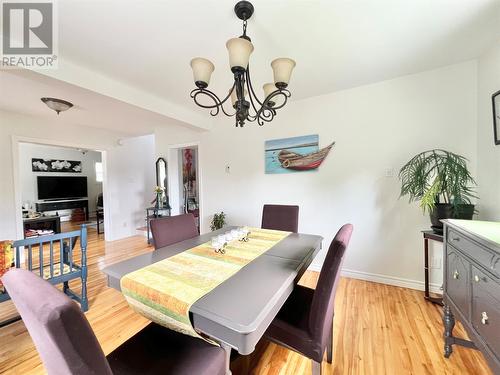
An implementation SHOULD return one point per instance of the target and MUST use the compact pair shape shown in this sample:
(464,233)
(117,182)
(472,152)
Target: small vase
(159,200)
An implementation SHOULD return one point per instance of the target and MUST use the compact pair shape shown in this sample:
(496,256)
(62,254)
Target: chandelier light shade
(202,71)
(269,88)
(282,70)
(239,53)
(242,96)
(57,105)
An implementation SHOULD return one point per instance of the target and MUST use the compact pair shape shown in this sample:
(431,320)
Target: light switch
(228,170)
(389,172)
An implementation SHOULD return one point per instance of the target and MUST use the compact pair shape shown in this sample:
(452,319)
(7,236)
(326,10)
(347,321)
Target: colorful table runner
(164,291)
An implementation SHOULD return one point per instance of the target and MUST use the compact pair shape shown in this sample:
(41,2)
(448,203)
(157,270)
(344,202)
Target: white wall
(488,155)
(376,127)
(131,180)
(27,151)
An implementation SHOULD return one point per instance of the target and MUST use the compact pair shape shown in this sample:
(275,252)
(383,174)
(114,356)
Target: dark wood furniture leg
(99,216)
(86,210)
(10,321)
(449,339)
(449,324)
(427,295)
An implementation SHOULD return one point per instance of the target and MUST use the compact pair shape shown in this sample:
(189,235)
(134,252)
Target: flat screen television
(61,187)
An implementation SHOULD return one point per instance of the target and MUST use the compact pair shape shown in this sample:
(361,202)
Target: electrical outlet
(436,263)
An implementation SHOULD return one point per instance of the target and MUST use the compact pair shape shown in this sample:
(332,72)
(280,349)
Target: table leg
(86,208)
(227,349)
(147,226)
(426,267)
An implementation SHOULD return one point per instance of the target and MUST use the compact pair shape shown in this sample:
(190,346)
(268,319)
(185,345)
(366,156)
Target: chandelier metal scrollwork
(246,104)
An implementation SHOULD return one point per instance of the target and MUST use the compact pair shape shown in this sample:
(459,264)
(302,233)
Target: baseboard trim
(384,279)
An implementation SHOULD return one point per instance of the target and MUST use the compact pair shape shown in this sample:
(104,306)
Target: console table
(430,235)
(472,286)
(66,204)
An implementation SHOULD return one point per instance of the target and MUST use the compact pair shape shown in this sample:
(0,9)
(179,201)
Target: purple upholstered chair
(67,344)
(305,322)
(169,230)
(280,217)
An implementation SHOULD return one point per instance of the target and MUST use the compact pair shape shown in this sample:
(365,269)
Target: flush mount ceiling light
(57,105)
(247,105)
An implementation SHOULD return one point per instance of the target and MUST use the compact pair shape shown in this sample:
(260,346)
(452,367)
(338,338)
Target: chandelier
(246,104)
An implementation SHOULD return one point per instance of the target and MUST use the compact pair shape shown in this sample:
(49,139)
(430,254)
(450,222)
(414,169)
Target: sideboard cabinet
(472,286)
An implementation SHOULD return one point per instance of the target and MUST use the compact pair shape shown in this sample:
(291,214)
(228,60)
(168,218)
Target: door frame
(16,140)
(173,175)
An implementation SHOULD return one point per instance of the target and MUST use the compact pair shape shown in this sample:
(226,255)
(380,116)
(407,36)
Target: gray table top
(240,309)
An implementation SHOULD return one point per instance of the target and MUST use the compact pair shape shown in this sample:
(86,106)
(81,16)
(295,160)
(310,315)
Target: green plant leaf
(437,176)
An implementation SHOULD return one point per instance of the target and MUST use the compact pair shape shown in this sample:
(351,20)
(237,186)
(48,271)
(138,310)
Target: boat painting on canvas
(297,154)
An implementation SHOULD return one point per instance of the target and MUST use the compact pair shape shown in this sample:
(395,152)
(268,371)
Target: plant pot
(443,211)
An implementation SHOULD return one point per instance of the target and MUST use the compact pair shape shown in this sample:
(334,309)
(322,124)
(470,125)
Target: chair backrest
(322,306)
(67,242)
(280,217)
(60,331)
(99,201)
(169,230)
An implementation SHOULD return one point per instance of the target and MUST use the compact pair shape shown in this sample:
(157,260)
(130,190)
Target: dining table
(237,313)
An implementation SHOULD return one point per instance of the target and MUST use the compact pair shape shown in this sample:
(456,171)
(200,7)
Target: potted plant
(218,221)
(442,183)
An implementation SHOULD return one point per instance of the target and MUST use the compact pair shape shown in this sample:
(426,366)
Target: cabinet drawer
(458,280)
(486,309)
(483,256)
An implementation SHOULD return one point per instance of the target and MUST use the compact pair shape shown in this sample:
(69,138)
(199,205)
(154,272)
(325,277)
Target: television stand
(66,204)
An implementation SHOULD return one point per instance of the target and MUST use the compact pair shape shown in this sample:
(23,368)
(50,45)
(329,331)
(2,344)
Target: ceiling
(25,89)
(139,51)
(337,44)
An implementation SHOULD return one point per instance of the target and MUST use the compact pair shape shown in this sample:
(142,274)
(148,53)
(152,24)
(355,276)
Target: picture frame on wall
(495,101)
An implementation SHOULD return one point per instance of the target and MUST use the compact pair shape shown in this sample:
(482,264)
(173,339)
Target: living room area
(60,188)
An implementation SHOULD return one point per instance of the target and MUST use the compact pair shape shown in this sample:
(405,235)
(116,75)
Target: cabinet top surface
(488,230)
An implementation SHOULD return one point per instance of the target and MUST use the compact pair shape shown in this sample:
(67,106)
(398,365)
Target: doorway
(58,187)
(184,180)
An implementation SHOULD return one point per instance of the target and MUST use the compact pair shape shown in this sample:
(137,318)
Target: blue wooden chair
(55,271)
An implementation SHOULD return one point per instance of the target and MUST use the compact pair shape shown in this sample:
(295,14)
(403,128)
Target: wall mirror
(495,99)
(161,173)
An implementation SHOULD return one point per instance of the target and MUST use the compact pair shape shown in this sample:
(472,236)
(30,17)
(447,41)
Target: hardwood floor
(378,329)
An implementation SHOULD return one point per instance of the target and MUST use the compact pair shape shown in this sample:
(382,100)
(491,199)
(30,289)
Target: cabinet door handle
(456,239)
(477,278)
(455,275)
(484,318)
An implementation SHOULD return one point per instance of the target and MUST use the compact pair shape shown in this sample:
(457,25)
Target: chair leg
(227,349)
(329,347)
(316,367)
